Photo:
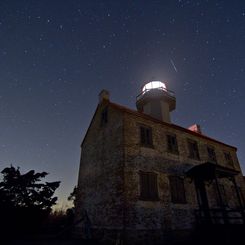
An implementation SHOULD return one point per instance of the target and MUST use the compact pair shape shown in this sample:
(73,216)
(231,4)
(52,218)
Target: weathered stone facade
(112,157)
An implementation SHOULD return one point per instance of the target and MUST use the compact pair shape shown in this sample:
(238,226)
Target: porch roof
(208,171)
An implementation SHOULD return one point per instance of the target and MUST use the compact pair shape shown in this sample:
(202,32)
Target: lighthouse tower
(155,100)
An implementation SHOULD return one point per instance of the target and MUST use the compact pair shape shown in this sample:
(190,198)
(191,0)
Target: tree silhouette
(70,212)
(24,200)
(73,195)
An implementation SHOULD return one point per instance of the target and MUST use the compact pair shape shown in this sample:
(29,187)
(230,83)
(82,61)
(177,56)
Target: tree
(70,211)
(24,199)
(73,195)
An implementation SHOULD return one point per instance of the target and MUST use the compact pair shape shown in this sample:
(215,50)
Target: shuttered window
(172,143)
(193,149)
(241,196)
(235,197)
(228,159)
(146,136)
(177,189)
(211,154)
(148,186)
(224,201)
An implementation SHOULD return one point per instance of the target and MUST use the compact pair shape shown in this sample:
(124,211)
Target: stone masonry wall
(100,175)
(111,159)
(163,215)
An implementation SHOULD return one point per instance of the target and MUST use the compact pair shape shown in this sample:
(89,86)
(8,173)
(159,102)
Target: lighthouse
(156,101)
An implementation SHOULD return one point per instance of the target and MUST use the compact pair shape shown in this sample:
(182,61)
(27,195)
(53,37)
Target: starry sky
(56,56)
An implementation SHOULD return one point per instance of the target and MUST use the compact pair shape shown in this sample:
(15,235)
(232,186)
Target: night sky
(56,56)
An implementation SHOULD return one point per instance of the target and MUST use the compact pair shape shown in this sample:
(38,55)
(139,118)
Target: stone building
(143,178)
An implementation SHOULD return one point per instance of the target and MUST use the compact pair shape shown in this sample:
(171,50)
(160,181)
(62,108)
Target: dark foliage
(73,195)
(25,201)
(60,223)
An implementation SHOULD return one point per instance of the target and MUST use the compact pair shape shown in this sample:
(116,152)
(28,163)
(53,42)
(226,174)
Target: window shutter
(149,136)
(148,186)
(144,185)
(193,149)
(181,190)
(177,189)
(145,136)
(153,185)
(142,135)
(173,188)
(228,159)
(196,150)
(211,154)
(175,144)
(169,143)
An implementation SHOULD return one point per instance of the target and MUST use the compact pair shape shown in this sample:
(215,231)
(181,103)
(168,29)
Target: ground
(49,242)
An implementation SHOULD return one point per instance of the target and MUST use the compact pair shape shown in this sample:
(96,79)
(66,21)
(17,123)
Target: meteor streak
(173,65)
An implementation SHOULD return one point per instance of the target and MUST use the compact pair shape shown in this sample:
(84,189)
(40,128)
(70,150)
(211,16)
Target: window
(172,143)
(211,154)
(177,189)
(104,116)
(148,186)
(235,197)
(241,196)
(146,136)
(224,200)
(228,159)
(193,149)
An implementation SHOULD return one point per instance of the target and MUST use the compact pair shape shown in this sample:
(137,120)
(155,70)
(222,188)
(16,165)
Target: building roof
(170,125)
(145,116)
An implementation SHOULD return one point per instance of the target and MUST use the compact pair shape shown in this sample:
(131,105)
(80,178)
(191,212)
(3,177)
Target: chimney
(104,95)
(195,128)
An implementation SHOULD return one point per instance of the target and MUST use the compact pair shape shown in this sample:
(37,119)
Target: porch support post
(221,200)
(239,198)
(199,212)
(203,201)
